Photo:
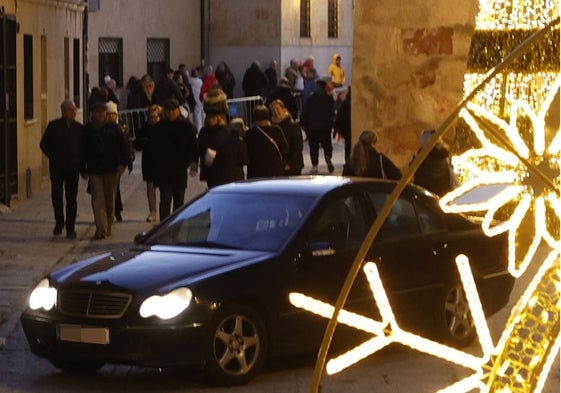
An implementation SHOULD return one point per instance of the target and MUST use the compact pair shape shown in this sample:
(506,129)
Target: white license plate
(83,334)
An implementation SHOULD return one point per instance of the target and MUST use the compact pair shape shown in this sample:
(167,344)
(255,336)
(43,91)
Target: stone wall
(409,59)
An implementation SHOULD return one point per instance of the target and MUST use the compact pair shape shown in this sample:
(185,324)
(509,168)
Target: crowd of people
(177,141)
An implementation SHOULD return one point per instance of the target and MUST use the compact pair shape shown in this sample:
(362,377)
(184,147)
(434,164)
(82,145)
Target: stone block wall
(409,60)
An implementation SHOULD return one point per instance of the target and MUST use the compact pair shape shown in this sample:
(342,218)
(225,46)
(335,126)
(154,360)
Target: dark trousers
(64,183)
(167,194)
(118,200)
(317,138)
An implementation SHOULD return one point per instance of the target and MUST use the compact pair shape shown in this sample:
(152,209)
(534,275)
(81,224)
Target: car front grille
(93,304)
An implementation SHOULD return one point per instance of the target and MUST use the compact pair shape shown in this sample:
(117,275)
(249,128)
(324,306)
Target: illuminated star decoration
(499,182)
(387,330)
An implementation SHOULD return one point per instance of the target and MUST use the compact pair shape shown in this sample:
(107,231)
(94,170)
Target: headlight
(167,306)
(43,296)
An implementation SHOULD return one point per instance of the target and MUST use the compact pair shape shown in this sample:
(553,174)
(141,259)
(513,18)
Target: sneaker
(71,235)
(57,230)
(314,170)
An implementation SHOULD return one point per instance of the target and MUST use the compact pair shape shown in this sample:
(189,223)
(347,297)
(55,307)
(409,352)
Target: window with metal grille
(157,56)
(333,18)
(305,18)
(110,60)
(28,76)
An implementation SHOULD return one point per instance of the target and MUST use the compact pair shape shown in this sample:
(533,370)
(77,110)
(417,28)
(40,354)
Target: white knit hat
(111,107)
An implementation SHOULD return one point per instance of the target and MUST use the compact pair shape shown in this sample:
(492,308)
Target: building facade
(242,31)
(134,37)
(41,64)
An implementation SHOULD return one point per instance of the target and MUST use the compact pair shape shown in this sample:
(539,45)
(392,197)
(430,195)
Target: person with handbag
(366,161)
(266,146)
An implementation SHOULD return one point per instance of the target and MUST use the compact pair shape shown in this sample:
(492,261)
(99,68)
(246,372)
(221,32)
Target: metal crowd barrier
(242,107)
(134,119)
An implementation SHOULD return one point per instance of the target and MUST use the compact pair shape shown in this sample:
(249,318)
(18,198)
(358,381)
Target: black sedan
(210,285)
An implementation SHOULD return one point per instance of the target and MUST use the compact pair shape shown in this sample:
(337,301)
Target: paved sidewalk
(28,250)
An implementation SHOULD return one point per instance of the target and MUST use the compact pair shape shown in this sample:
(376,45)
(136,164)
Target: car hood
(155,268)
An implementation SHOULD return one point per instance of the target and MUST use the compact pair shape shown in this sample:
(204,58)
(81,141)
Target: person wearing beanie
(267,147)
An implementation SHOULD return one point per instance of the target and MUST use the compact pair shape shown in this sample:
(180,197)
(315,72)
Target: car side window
(429,221)
(402,220)
(341,223)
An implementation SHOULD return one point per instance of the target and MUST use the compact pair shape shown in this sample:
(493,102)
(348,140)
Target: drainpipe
(205,31)
(85,79)
(6,109)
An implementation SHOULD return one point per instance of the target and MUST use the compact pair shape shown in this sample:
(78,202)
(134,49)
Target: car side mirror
(140,238)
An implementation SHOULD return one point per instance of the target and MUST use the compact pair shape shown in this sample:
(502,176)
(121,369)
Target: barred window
(157,56)
(305,18)
(111,60)
(333,18)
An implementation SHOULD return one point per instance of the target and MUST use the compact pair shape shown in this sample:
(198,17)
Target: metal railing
(242,107)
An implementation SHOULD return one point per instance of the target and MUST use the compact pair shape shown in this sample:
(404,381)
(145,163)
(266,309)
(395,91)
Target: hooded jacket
(336,72)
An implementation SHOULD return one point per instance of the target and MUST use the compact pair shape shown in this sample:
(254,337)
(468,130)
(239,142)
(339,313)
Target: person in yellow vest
(336,71)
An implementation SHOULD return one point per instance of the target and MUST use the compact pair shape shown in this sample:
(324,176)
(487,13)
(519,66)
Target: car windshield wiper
(209,245)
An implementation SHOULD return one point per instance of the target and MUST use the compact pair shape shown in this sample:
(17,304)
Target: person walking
(366,161)
(342,123)
(173,146)
(280,116)
(107,155)
(142,143)
(63,144)
(317,121)
(113,117)
(266,146)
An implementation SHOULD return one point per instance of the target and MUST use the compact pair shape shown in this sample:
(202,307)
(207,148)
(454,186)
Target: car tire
(76,366)
(454,323)
(237,345)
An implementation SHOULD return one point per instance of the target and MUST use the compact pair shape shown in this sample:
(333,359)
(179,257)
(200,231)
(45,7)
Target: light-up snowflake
(527,180)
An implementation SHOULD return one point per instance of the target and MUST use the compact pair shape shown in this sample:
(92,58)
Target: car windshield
(237,221)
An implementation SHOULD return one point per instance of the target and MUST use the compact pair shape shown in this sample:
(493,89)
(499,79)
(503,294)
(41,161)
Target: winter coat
(293,134)
(254,81)
(173,147)
(265,160)
(434,172)
(106,148)
(64,146)
(318,112)
(231,155)
(379,166)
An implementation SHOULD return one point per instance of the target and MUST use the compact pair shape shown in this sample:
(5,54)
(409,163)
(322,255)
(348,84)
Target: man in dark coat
(174,151)
(166,89)
(107,155)
(63,144)
(254,81)
(317,121)
(266,146)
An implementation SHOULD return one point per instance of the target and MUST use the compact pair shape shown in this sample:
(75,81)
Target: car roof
(301,185)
